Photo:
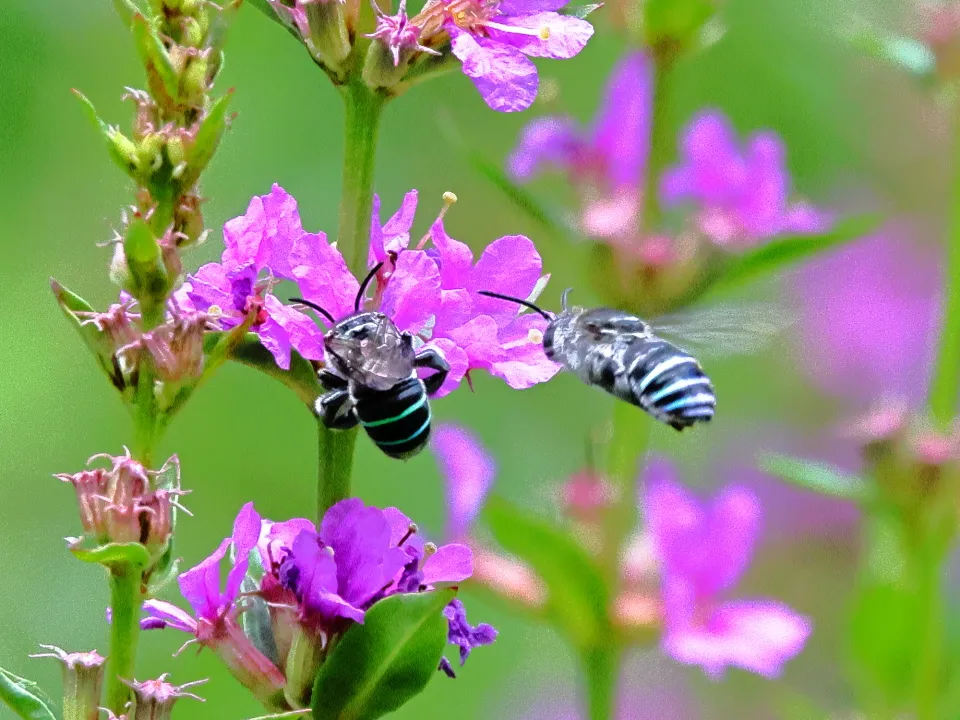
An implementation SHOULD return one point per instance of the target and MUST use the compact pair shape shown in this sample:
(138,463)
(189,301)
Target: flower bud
(154,699)
(303,661)
(82,681)
(329,41)
(177,346)
(396,43)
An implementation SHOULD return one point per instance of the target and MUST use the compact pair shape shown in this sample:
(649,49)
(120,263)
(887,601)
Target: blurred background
(860,135)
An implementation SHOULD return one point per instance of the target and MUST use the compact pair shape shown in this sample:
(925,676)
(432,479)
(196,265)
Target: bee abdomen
(397,420)
(671,386)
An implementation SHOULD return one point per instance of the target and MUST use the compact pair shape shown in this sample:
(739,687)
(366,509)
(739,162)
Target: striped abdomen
(658,377)
(398,419)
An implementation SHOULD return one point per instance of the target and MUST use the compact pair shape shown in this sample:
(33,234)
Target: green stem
(362,110)
(945,387)
(125,600)
(601,668)
(930,661)
(661,140)
(334,466)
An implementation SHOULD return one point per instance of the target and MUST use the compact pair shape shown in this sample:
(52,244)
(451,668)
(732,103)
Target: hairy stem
(363,108)
(660,138)
(126,597)
(334,466)
(601,669)
(945,387)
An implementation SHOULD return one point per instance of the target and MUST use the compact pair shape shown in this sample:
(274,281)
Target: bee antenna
(525,303)
(363,286)
(563,298)
(316,307)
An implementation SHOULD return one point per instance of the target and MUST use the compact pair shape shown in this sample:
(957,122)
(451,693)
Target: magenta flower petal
(164,614)
(621,132)
(413,293)
(316,578)
(275,537)
(394,236)
(468,472)
(286,328)
(522,7)
(711,163)
(359,537)
(264,235)
(207,287)
(456,258)
(509,265)
(506,79)
(322,274)
(757,636)
(554,35)
(733,525)
(376,253)
(246,534)
(524,364)
(451,563)
(546,141)
(200,585)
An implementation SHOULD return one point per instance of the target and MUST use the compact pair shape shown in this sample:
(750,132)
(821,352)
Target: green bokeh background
(859,134)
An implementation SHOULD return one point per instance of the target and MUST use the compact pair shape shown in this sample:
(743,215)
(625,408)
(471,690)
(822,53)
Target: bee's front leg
(432,359)
(335,410)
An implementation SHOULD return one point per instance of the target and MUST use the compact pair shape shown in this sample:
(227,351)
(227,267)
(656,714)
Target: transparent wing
(726,329)
(378,359)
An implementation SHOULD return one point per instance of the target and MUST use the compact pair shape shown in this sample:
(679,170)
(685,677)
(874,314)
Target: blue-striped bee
(371,379)
(620,353)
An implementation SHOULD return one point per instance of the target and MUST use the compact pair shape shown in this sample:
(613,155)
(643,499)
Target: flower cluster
(676,571)
(492,40)
(430,293)
(308,585)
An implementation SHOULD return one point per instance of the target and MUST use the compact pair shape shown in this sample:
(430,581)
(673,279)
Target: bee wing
(387,356)
(726,329)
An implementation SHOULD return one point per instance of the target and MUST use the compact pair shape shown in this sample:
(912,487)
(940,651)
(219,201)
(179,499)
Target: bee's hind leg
(335,410)
(433,360)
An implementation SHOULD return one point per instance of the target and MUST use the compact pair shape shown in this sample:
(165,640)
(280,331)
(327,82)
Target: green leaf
(130,553)
(154,56)
(207,139)
(99,342)
(301,377)
(580,11)
(126,9)
(264,7)
(121,149)
(819,477)
(23,697)
(578,598)
(781,252)
(518,195)
(380,665)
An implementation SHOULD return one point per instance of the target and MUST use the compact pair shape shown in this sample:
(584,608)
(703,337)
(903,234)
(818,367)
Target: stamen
(411,530)
(449,199)
(543,32)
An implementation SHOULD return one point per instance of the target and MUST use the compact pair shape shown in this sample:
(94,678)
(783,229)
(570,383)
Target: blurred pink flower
(468,472)
(703,551)
(868,317)
(740,196)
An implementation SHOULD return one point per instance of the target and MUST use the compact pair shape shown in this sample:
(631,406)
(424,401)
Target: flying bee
(371,379)
(621,354)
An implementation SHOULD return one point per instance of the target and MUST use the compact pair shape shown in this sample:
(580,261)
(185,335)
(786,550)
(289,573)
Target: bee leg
(433,360)
(331,381)
(335,410)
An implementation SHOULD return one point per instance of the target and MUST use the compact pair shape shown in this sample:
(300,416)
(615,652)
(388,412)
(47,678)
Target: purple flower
(463,634)
(703,551)
(741,195)
(387,241)
(610,156)
(868,317)
(468,472)
(474,331)
(493,40)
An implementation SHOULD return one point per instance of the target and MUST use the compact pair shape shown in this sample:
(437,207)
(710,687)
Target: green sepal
(161,73)
(148,276)
(378,666)
(24,697)
(217,35)
(129,553)
(819,477)
(165,570)
(782,252)
(206,141)
(577,595)
(122,150)
(301,377)
(255,620)
(98,342)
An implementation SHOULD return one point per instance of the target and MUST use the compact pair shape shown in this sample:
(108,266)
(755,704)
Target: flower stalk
(601,666)
(945,386)
(660,139)
(126,596)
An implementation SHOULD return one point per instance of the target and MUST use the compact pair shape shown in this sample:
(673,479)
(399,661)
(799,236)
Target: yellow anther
(449,198)
(544,33)
(535,336)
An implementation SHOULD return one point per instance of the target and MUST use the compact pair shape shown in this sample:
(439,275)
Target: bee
(371,379)
(620,353)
